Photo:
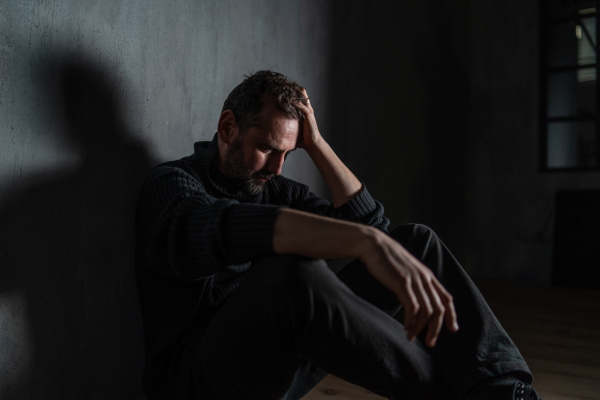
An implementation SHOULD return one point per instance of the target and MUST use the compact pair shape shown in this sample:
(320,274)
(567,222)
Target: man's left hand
(310,136)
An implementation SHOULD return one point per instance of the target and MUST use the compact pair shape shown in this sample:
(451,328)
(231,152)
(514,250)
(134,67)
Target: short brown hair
(249,98)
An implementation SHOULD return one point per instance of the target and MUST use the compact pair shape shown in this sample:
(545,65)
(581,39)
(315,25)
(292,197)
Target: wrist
(369,240)
(316,146)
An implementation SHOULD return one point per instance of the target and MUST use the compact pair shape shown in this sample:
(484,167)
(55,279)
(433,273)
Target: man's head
(258,127)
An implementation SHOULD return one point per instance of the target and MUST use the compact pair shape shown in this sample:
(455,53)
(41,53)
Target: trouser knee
(296,289)
(283,274)
(293,285)
(422,242)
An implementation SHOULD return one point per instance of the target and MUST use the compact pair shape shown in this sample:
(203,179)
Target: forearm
(315,236)
(341,182)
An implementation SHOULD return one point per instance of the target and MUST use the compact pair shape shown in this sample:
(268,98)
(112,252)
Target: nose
(276,163)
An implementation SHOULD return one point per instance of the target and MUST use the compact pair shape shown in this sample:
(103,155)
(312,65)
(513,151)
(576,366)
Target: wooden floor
(556,329)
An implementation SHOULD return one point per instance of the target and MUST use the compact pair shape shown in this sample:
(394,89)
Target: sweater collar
(205,153)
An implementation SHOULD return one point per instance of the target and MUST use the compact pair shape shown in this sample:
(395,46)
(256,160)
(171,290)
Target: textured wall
(92,94)
(401,109)
(511,203)
(440,120)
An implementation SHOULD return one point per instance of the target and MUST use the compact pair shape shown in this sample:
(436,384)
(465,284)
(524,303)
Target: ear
(227,127)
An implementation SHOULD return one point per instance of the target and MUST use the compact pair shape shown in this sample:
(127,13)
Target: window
(569,117)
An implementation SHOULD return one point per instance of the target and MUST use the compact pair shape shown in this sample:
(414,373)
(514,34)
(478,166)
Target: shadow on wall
(67,247)
(444,191)
(401,89)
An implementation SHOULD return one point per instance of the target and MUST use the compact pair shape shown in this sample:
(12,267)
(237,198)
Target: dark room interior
(478,119)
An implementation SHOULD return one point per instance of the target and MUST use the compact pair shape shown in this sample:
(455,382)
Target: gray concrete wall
(437,111)
(92,94)
(510,203)
(401,110)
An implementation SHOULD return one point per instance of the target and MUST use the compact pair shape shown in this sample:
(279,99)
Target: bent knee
(288,272)
(411,231)
(420,240)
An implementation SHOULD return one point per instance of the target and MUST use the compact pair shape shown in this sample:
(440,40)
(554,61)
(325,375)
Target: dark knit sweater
(196,236)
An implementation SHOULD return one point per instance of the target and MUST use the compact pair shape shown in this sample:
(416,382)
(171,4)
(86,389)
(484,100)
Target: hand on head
(310,136)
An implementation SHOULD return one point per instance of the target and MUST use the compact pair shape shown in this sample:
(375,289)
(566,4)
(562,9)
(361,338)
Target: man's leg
(356,277)
(290,309)
(479,351)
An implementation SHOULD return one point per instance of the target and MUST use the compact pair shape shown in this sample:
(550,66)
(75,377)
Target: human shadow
(67,242)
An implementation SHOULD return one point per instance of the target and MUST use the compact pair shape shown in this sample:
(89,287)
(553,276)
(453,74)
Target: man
(238,302)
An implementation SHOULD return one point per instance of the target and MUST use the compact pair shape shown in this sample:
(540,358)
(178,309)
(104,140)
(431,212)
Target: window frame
(545,71)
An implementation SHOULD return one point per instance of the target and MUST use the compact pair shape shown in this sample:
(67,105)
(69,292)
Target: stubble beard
(239,173)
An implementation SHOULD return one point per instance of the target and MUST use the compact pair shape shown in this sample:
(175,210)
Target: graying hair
(249,98)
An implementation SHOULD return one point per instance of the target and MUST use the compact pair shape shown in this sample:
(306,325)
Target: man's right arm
(424,299)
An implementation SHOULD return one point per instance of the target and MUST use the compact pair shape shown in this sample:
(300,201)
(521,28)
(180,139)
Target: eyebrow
(271,147)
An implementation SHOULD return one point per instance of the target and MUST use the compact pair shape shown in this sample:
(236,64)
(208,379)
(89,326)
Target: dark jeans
(292,321)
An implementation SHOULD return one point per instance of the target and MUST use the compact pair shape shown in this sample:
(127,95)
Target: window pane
(568,43)
(572,93)
(562,44)
(570,8)
(572,144)
(585,50)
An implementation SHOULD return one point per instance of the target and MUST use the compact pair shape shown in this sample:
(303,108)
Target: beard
(240,174)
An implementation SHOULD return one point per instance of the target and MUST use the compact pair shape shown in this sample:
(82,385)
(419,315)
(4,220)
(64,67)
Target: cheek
(256,161)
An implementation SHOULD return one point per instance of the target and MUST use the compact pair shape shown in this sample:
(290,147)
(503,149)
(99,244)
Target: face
(256,156)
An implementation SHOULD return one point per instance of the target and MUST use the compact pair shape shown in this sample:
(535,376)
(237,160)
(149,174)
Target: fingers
(448,301)
(425,309)
(301,105)
(306,109)
(410,304)
(437,317)
(427,304)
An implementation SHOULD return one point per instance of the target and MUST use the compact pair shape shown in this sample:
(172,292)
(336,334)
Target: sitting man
(238,302)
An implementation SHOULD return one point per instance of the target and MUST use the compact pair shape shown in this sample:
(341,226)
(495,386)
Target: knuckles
(429,312)
(413,308)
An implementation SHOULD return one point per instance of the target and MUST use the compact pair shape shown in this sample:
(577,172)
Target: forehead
(276,130)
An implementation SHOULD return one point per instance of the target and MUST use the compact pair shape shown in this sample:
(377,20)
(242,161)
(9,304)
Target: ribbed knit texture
(196,236)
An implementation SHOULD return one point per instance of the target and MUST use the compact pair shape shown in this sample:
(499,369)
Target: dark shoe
(502,389)
(524,391)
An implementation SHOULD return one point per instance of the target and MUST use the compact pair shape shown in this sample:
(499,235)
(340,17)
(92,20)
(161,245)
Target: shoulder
(172,176)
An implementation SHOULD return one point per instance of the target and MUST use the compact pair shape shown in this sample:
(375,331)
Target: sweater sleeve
(186,234)
(362,208)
